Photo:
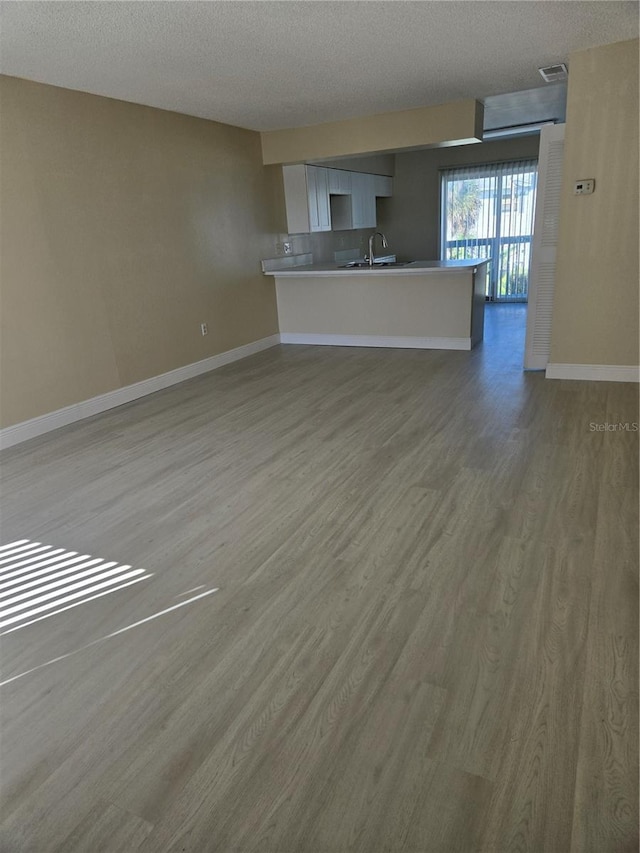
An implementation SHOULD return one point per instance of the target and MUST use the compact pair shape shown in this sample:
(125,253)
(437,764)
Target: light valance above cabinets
(321,199)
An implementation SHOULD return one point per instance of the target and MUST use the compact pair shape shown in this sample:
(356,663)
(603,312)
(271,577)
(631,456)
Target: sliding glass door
(487,211)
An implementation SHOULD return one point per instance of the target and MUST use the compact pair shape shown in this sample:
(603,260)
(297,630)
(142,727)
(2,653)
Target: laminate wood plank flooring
(424,637)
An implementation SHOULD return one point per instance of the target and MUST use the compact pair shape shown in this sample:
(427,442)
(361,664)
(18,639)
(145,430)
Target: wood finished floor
(425,634)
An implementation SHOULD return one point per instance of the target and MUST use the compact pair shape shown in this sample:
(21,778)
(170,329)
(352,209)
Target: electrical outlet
(204,330)
(287,248)
(584,187)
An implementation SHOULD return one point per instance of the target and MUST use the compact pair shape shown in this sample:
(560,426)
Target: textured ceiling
(267,65)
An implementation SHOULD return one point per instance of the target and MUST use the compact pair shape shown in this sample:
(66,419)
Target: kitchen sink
(359,265)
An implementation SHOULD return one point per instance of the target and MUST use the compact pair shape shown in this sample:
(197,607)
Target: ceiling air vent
(553,73)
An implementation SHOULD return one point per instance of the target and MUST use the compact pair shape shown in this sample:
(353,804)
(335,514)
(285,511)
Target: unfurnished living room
(319,426)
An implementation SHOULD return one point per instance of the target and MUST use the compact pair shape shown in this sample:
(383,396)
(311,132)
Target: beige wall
(411,217)
(595,315)
(123,228)
(434,126)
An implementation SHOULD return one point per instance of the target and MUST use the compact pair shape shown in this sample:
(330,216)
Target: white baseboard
(397,341)
(78,411)
(597,372)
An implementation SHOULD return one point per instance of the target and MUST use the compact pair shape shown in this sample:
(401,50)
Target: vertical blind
(487,211)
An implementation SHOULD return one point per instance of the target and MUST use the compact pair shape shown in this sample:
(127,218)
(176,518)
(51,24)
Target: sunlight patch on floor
(39,581)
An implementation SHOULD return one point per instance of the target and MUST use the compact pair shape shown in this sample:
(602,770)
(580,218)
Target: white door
(543,253)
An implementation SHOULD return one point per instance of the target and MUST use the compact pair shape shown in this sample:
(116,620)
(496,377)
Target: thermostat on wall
(584,187)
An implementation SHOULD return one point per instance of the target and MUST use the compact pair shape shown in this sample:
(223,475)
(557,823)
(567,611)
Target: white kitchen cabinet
(306,193)
(321,199)
(339,181)
(358,210)
(383,186)
(318,194)
(363,200)
(296,199)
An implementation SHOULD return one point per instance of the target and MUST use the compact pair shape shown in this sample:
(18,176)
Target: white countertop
(413,268)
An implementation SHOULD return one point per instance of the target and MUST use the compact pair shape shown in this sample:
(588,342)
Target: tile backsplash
(325,244)
(286,262)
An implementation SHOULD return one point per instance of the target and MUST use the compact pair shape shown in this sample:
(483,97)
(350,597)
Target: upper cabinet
(319,199)
(363,200)
(339,181)
(383,186)
(306,194)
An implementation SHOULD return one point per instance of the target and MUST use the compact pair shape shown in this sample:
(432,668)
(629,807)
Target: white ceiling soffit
(267,65)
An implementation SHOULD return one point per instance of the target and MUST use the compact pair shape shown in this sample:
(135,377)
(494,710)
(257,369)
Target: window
(487,211)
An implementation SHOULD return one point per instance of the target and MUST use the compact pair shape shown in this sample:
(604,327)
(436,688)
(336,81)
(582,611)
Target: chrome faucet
(372,240)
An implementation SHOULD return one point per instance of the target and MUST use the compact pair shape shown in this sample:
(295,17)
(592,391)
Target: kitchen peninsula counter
(421,305)
(411,268)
